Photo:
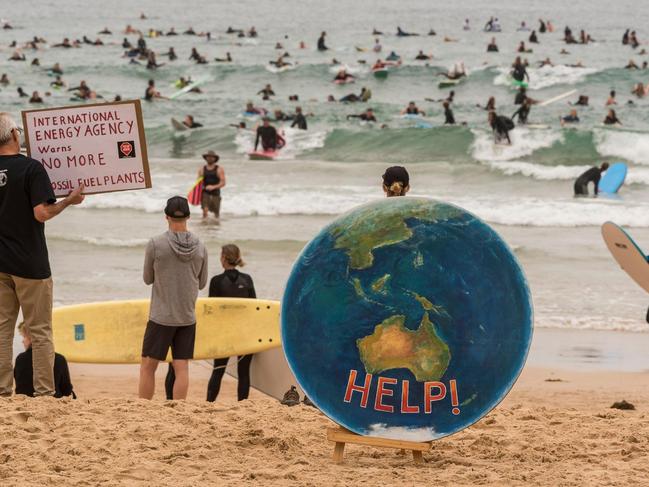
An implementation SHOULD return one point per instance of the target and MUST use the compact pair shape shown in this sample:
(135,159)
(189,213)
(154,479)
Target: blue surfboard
(613,178)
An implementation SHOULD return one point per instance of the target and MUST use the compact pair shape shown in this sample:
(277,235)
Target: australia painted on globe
(392,345)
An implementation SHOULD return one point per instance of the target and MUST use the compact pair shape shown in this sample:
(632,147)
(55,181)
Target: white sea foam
(538,171)
(631,146)
(524,143)
(297,141)
(547,76)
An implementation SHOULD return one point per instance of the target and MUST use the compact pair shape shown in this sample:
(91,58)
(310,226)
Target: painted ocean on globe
(406,318)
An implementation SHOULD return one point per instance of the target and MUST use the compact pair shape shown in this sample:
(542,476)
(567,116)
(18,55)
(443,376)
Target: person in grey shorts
(176,264)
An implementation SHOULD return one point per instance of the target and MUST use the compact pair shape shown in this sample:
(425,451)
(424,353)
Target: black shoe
(307,402)
(291,398)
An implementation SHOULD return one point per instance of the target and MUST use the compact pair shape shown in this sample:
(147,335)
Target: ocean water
(273,208)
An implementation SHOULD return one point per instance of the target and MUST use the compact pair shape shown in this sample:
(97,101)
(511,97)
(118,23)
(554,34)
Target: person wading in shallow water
(396,181)
(213,180)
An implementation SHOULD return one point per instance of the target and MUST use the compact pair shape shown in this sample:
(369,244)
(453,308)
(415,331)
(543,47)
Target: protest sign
(101,146)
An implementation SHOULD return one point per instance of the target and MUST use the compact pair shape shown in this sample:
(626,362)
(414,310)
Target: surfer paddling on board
(412,109)
(271,141)
(190,123)
(176,264)
(213,181)
(593,175)
(230,284)
(519,71)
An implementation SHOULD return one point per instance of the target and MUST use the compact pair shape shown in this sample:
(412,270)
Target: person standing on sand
(213,180)
(230,284)
(176,264)
(26,203)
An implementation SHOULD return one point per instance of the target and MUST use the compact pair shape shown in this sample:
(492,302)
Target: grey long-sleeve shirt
(176,264)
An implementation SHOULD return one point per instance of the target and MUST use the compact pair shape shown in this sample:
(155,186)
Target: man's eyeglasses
(18,129)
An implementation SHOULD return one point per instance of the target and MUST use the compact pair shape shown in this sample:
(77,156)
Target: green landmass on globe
(359,234)
(393,346)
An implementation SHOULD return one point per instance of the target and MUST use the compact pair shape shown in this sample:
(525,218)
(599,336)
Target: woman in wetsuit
(396,181)
(611,118)
(230,284)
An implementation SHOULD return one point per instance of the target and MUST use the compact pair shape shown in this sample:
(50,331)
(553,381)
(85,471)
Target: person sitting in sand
(24,373)
(396,181)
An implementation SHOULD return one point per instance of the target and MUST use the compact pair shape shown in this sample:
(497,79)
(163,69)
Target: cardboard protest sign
(101,146)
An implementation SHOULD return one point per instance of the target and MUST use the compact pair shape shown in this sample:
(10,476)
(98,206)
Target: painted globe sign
(406,318)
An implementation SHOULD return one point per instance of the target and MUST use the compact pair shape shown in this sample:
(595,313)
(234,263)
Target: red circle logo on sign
(126,148)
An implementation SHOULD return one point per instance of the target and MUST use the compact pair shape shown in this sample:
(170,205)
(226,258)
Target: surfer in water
(190,123)
(321,42)
(519,71)
(213,181)
(449,118)
(611,118)
(396,181)
(501,126)
(344,77)
(412,109)
(366,116)
(570,118)
(456,72)
(523,112)
(268,136)
(593,175)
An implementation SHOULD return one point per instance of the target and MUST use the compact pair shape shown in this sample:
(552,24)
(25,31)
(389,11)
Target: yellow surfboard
(112,332)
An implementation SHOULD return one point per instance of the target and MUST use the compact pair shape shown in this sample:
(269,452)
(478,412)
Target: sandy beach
(555,428)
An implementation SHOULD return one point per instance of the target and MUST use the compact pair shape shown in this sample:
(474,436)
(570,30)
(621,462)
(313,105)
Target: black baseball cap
(396,174)
(177,207)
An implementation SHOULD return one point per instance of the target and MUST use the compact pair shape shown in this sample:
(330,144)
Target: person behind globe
(396,181)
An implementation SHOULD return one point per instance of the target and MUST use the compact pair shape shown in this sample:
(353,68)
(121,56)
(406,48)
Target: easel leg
(418,457)
(339,451)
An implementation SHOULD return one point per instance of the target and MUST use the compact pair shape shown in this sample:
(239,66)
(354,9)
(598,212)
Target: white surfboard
(269,373)
(179,126)
(627,253)
(556,98)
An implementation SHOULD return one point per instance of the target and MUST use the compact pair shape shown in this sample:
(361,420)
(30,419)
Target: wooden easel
(340,436)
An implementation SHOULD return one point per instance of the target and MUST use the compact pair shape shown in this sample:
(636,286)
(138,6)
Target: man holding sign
(27,201)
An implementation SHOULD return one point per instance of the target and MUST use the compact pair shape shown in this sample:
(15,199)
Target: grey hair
(7,125)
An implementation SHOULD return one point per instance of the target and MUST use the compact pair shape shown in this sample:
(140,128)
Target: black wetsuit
(148,94)
(321,44)
(611,120)
(522,113)
(492,48)
(593,175)
(23,375)
(230,284)
(519,72)
(449,118)
(520,98)
(210,178)
(364,117)
(412,111)
(268,137)
(501,127)
(299,121)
